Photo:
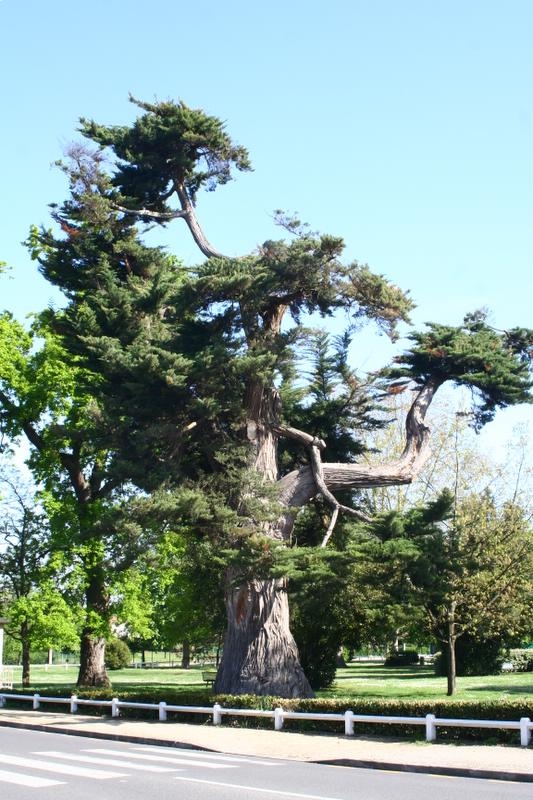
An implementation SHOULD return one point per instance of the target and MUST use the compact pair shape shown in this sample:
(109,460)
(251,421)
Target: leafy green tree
(190,608)
(481,585)
(191,363)
(30,577)
(464,568)
(45,397)
(386,567)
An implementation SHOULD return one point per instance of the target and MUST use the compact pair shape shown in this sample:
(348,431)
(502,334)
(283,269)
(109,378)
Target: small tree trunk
(452,639)
(186,654)
(260,655)
(25,638)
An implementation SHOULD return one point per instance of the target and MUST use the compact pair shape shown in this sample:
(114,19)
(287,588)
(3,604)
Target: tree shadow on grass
(518,688)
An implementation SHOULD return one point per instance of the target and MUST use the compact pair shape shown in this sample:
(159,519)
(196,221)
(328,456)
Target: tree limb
(315,446)
(145,212)
(299,486)
(195,228)
(299,436)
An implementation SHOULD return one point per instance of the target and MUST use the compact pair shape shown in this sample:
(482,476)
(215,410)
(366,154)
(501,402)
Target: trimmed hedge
(452,708)
(404,658)
(117,654)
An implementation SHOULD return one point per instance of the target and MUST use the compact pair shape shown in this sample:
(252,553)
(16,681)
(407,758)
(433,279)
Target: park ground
(369,680)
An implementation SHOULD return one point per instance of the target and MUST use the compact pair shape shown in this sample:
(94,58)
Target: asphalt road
(39,765)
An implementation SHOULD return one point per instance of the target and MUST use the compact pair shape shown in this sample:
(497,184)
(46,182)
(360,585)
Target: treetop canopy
(170,147)
(496,365)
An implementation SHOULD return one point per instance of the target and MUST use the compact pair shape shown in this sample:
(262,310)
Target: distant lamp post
(3,623)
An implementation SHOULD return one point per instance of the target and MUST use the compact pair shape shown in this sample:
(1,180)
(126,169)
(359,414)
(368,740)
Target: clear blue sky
(406,127)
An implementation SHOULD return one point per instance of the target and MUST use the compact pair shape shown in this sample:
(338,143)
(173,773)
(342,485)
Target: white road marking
(169,759)
(63,769)
(27,780)
(193,754)
(112,762)
(257,789)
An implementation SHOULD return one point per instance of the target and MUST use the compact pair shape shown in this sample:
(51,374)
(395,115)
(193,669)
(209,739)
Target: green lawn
(357,680)
(372,680)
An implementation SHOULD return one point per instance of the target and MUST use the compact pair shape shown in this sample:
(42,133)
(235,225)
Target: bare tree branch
(145,212)
(299,486)
(315,446)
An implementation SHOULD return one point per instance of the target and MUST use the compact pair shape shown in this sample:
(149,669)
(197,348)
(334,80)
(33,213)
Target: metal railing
(279,715)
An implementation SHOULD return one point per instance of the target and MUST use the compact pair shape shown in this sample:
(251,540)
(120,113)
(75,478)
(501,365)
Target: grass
(374,681)
(357,680)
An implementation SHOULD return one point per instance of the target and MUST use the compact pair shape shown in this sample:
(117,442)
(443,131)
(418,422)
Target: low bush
(402,658)
(117,654)
(521,660)
(473,657)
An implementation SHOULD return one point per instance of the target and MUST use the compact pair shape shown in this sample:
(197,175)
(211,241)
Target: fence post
(162,711)
(36,699)
(217,714)
(431,728)
(73,704)
(115,710)
(525,731)
(278,718)
(348,723)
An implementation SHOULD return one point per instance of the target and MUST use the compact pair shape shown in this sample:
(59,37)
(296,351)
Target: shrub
(473,657)
(448,708)
(401,659)
(521,660)
(117,654)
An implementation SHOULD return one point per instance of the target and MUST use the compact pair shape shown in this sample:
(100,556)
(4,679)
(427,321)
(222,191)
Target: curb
(452,772)
(386,766)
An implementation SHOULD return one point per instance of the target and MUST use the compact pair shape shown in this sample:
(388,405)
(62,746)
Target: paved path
(488,761)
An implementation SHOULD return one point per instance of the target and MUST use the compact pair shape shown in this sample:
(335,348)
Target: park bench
(209,676)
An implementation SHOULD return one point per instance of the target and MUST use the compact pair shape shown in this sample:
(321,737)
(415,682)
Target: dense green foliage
(117,654)
(481,655)
(157,401)
(495,364)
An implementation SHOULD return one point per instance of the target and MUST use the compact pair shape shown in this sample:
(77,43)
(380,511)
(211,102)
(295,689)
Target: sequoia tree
(193,363)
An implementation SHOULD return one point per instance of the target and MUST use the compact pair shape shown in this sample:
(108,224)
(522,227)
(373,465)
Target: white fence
(279,715)
(6,678)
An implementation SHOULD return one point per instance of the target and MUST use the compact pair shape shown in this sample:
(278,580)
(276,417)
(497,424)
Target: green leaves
(496,365)
(169,147)
(15,345)
(47,617)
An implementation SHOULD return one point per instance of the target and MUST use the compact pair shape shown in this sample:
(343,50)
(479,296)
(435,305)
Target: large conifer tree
(192,361)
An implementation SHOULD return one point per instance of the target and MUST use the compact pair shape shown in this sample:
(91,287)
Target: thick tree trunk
(92,650)
(92,661)
(260,655)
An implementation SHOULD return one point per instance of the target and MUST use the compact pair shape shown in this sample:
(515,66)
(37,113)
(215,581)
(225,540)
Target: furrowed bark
(260,655)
